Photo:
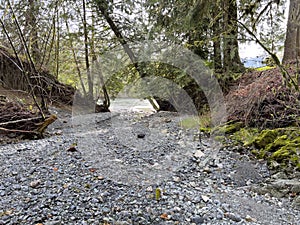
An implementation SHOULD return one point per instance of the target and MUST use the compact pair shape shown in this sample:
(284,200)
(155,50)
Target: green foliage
(123,81)
(194,24)
(181,22)
(127,80)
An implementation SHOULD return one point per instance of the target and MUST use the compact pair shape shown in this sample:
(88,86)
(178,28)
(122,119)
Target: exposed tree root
(23,123)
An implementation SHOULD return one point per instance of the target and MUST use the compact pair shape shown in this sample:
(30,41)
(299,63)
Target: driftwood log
(18,119)
(29,128)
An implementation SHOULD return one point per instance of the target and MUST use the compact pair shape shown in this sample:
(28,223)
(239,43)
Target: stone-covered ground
(133,169)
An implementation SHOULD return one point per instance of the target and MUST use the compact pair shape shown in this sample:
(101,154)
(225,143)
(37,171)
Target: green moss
(205,129)
(228,128)
(295,159)
(202,122)
(283,153)
(260,154)
(189,122)
(278,142)
(219,138)
(245,135)
(266,137)
(280,146)
(296,140)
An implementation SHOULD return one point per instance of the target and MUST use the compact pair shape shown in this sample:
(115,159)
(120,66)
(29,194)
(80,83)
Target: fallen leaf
(8,212)
(164,216)
(92,170)
(72,148)
(55,169)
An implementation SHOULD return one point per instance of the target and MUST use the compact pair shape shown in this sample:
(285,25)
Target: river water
(131,104)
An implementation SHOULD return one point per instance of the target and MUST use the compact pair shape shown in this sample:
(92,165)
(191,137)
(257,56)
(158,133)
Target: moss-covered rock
(280,146)
(264,138)
(284,153)
(278,143)
(262,154)
(296,140)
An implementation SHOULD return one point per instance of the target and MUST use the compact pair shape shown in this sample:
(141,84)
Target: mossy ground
(281,145)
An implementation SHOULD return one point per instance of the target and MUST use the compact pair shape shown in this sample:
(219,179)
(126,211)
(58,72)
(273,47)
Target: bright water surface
(131,104)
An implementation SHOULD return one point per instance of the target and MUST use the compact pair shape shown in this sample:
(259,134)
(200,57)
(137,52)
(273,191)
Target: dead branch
(19,131)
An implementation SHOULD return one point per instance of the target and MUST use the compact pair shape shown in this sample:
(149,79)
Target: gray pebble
(197,220)
(233,217)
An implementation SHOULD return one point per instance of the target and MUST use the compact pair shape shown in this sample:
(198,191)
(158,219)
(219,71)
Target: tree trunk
(57,42)
(104,107)
(86,48)
(33,38)
(232,61)
(217,56)
(292,41)
(75,58)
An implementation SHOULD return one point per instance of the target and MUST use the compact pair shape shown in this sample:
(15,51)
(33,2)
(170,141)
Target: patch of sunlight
(265,68)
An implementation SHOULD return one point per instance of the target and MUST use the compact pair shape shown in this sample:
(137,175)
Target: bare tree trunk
(292,41)
(41,91)
(76,60)
(86,49)
(20,65)
(33,39)
(106,102)
(217,58)
(232,61)
(57,42)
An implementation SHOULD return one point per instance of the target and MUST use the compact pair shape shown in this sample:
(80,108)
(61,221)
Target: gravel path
(134,169)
